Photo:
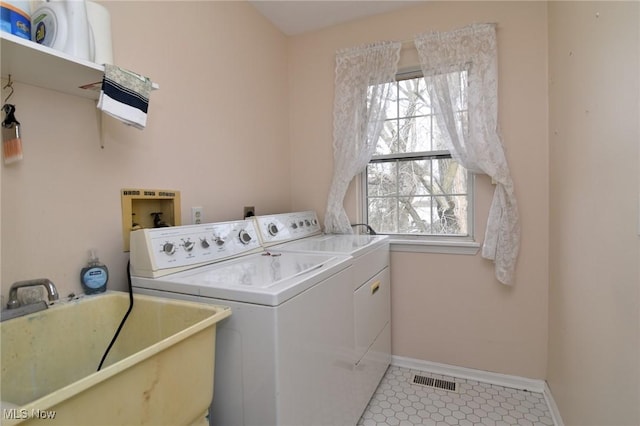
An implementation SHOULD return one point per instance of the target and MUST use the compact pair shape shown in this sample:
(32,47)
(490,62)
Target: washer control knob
(273,229)
(244,237)
(219,241)
(294,225)
(168,248)
(204,243)
(314,222)
(189,245)
(307,222)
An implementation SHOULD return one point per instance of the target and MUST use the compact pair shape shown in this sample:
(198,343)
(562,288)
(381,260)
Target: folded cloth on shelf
(125,96)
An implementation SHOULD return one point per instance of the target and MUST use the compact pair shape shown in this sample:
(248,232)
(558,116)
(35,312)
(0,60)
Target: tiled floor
(398,401)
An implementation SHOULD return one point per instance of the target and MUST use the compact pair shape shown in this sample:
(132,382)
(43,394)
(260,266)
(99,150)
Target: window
(412,184)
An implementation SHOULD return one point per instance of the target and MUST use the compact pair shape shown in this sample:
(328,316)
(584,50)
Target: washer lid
(264,278)
(348,244)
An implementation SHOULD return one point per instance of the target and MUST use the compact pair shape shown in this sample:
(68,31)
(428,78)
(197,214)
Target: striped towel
(125,96)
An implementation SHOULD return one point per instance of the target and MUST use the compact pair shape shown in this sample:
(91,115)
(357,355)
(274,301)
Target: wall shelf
(31,63)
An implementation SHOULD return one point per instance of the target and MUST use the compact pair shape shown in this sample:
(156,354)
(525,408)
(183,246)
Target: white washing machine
(284,356)
(300,232)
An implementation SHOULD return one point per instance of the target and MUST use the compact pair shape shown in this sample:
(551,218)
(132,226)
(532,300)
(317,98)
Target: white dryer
(300,232)
(284,355)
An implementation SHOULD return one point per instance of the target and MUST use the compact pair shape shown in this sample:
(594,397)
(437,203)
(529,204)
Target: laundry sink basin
(158,372)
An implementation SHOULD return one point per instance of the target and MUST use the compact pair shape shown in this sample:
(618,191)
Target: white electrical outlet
(197,216)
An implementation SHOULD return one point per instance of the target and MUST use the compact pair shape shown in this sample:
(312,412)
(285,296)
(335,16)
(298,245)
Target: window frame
(450,244)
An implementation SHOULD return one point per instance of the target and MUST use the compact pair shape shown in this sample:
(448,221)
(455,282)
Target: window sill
(434,246)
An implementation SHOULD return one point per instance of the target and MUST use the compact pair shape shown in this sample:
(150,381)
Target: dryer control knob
(244,237)
(219,241)
(294,225)
(169,248)
(204,243)
(273,229)
(189,245)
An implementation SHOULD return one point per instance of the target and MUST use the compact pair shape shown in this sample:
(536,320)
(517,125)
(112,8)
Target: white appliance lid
(263,278)
(348,244)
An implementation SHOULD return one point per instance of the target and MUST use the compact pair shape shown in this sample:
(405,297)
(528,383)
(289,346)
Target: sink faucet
(52,292)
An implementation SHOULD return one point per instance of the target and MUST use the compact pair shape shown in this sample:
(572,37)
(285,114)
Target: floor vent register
(435,383)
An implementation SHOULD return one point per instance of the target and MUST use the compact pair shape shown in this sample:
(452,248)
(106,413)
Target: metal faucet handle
(13,303)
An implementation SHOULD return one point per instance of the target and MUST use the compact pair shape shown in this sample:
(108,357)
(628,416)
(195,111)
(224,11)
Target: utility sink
(158,372)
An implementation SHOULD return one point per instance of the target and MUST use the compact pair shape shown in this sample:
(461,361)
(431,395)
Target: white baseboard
(499,379)
(516,382)
(555,413)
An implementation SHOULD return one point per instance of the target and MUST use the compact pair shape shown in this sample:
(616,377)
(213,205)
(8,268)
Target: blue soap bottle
(94,276)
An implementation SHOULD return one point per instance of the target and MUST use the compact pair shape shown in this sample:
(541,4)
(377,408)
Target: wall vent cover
(435,383)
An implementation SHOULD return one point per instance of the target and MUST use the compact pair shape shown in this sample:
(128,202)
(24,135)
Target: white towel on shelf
(125,96)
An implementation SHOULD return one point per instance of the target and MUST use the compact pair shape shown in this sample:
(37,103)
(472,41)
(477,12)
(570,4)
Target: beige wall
(270,146)
(217,131)
(594,332)
(449,308)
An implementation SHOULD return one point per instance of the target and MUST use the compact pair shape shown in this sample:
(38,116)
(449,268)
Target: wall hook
(9,85)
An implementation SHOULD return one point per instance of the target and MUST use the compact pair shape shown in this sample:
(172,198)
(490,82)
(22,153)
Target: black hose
(124,319)
(370,230)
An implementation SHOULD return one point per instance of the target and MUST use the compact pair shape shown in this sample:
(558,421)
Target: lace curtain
(477,146)
(363,81)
